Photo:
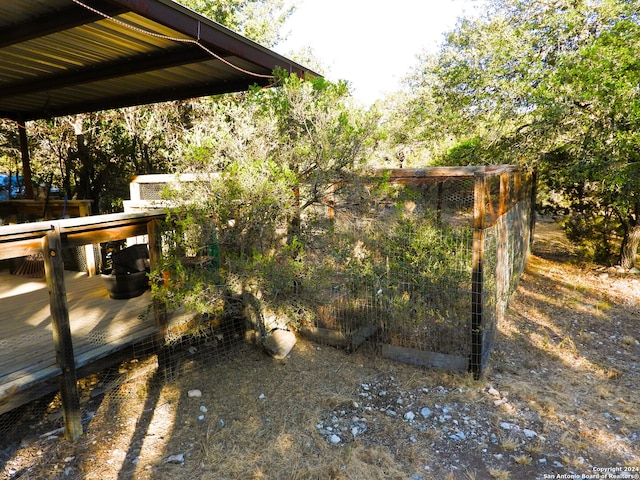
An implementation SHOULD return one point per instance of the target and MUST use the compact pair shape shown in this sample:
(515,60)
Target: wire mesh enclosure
(419,264)
(425,271)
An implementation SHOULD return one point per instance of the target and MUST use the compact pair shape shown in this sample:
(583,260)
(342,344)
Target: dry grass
(565,365)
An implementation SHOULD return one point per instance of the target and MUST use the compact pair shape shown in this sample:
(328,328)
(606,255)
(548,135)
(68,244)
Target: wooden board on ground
(425,359)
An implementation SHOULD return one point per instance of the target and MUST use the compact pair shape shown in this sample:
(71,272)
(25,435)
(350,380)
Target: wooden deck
(100,326)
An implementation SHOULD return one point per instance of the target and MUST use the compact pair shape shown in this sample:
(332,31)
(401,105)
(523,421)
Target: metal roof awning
(62,57)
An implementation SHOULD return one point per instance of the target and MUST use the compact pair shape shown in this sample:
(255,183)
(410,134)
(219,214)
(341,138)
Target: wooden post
(479,210)
(159,308)
(154,257)
(505,194)
(533,179)
(439,202)
(54,272)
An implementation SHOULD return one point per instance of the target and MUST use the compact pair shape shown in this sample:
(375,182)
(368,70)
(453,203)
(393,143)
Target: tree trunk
(26,161)
(629,247)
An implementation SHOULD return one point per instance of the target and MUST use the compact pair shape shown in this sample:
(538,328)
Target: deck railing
(47,240)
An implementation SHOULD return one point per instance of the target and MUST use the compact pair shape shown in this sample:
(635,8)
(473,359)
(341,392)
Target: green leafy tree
(259,20)
(546,83)
(261,160)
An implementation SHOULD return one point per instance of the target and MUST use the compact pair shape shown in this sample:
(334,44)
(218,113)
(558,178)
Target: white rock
(409,416)
(493,392)
(194,393)
(262,396)
(279,343)
(507,426)
(178,458)
(529,433)
(425,412)
(335,439)
(203,409)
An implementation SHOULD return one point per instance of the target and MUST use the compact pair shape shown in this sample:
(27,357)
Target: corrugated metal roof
(61,57)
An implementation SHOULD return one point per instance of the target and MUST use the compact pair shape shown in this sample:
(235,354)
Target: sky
(372,44)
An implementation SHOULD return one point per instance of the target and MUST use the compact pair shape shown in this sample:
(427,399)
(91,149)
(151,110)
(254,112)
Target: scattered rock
(493,392)
(194,393)
(335,439)
(425,412)
(177,459)
(279,343)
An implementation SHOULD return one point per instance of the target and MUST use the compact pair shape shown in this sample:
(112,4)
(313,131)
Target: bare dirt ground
(560,400)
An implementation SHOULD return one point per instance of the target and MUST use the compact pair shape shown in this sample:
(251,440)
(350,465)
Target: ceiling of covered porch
(62,57)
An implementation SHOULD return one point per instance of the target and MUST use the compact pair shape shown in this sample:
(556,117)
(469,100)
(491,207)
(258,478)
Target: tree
(261,159)
(259,20)
(598,106)
(546,83)
(93,156)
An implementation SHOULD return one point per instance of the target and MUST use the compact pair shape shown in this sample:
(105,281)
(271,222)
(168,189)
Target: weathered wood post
(477,277)
(533,179)
(54,272)
(159,308)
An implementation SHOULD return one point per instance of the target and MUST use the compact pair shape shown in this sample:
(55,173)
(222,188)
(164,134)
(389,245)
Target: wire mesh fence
(424,272)
(421,270)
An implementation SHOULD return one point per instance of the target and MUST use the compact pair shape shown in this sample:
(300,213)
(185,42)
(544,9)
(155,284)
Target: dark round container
(126,285)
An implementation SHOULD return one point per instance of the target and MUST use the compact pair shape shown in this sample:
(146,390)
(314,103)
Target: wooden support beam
(54,272)
(533,178)
(20,248)
(103,233)
(159,307)
(505,194)
(477,276)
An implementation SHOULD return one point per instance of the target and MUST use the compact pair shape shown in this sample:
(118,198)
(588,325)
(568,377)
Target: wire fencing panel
(399,272)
